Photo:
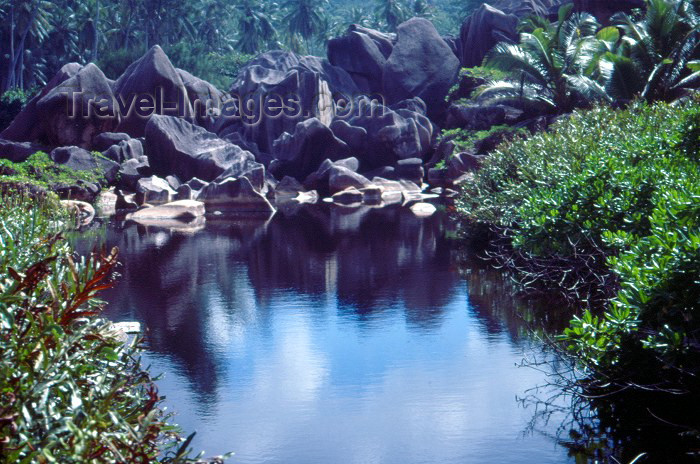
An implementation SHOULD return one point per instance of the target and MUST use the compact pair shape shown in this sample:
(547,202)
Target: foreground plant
(71,390)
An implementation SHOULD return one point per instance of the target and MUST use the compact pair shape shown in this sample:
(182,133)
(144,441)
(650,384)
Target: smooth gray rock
(18,152)
(313,83)
(482,30)
(152,75)
(77,110)
(341,178)
(421,65)
(80,159)
(26,126)
(102,142)
(300,153)
(363,54)
(154,191)
(125,150)
(234,196)
(131,171)
(183,210)
(177,147)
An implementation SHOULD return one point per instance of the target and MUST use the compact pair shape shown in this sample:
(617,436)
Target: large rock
(495,22)
(125,150)
(77,110)
(363,54)
(153,80)
(342,178)
(206,100)
(483,29)
(421,65)
(26,127)
(79,159)
(131,171)
(392,133)
(103,141)
(18,152)
(154,191)
(234,196)
(177,147)
(278,90)
(183,210)
(300,153)
(75,106)
(477,117)
(318,180)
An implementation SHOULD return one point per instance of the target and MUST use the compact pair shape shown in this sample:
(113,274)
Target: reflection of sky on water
(327,338)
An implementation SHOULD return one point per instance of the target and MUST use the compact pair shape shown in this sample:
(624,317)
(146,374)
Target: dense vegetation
(70,388)
(606,208)
(209,38)
(40,171)
(575,62)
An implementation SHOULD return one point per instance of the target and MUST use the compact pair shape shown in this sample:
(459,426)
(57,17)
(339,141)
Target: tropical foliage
(37,37)
(605,208)
(70,389)
(574,62)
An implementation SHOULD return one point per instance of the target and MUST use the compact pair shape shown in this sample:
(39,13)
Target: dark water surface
(331,336)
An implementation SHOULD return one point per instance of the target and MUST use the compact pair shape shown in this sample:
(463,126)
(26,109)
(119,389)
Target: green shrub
(114,62)
(11,103)
(521,169)
(653,323)
(465,139)
(471,78)
(70,389)
(610,201)
(39,170)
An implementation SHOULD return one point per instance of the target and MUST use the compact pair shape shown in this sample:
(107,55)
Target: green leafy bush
(39,170)
(11,103)
(608,200)
(470,79)
(70,389)
(653,323)
(465,139)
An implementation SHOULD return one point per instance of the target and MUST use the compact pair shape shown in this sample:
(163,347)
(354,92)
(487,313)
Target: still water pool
(331,336)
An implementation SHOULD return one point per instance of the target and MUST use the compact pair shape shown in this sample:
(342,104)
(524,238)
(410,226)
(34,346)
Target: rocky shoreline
(359,127)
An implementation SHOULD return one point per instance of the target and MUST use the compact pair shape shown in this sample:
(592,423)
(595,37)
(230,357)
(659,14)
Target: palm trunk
(9,81)
(20,49)
(95,32)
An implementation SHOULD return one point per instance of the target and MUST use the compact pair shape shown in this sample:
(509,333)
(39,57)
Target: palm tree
(29,22)
(305,19)
(548,66)
(657,53)
(391,13)
(421,9)
(255,29)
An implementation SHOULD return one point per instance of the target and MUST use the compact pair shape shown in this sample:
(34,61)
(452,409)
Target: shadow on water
(368,258)
(379,293)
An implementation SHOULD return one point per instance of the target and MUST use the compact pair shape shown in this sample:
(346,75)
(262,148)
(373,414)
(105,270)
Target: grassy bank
(70,389)
(605,210)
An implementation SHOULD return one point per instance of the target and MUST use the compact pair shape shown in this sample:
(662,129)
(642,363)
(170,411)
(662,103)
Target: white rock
(423,209)
(184,210)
